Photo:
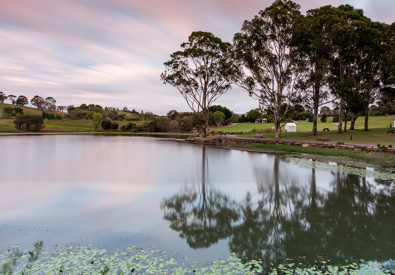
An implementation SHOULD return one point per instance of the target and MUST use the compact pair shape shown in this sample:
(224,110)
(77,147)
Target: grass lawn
(384,160)
(377,134)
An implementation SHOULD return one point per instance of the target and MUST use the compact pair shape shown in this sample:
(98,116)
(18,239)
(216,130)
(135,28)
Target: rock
(258,136)
(305,145)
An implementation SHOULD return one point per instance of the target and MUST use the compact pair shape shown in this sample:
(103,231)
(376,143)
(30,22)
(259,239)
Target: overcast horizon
(111,52)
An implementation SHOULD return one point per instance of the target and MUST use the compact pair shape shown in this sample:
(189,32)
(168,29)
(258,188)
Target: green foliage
(114,125)
(51,116)
(8,111)
(242,118)
(58,117)
(226,111)
(18,110)
(253,115)
(186,124)
(29,122)
(323,118)
(128,127)
(389,145)
(2,97)
(106,124)
(378,145)
(218,117)
(97,118)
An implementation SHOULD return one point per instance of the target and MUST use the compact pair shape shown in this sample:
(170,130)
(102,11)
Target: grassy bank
(359,158)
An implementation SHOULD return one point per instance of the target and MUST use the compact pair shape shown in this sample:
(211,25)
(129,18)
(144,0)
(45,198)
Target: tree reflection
(201,214)
(287,218)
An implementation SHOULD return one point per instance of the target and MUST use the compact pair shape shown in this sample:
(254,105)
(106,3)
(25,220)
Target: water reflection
(284,218)
(202,214)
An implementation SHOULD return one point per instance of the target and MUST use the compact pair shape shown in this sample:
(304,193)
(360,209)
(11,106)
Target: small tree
(202,72)
(2,97)
(218,117)
(97,118)
(114,125)
(8,111)
(323,117)
(22,101)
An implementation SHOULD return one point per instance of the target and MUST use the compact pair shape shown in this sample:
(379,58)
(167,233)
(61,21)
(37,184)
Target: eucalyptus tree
(12,98)
(314,52)
(264,48)
(38,101)
(345,29)
(22,101)
(202,71)
(2,97)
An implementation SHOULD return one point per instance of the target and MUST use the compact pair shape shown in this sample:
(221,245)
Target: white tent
(290,127)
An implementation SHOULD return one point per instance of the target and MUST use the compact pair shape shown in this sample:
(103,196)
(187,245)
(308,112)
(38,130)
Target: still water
(202,202)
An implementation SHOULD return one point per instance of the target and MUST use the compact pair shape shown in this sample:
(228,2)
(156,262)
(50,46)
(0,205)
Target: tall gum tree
(264,48)
(314,55)
(345,30)
(202,72)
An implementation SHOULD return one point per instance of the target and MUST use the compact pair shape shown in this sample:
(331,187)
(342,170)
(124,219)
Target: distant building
(291,127)
(261,120)
(328,113)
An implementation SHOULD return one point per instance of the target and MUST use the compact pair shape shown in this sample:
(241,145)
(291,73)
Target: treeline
(176,121)
(330,55)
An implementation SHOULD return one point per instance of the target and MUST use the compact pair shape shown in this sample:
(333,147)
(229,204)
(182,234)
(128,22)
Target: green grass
(305,126)
(6,125)
(380,159)
(376,134)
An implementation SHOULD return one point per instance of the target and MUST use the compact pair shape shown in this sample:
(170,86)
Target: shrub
(128,127)
(106,124)
(186,124)
(378,145)
(335,118)
(389,145)
(8,111)
(97,118)
(51,116)
(114,126)
(18,110)
(383,145)
(215,132)
(323,117)
(173,126)
(58,117)
(29,122)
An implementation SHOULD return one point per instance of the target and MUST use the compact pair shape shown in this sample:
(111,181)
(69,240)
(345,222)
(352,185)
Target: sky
(111,52)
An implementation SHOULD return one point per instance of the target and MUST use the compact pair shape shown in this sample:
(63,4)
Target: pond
(203,202)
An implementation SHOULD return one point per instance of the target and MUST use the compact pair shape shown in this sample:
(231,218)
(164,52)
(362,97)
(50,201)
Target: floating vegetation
(136,260)
(322,166)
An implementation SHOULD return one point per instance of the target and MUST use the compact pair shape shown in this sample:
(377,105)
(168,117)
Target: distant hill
(26,110)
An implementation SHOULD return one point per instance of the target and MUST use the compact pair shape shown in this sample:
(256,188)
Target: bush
(51,116)
(58,117)
(335,118)
(8,111)
(128,127)
(186,124)
(18,110)
(378,145)
(114,126)
(29,122)
(323,118)
(389,145)
(106,124)
(215,132)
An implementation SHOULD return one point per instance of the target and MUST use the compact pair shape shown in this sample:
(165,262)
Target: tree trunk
(353,118)
(205,123)
(339,128)
(366,126)
(278,129)
(345,122)
(315,118)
